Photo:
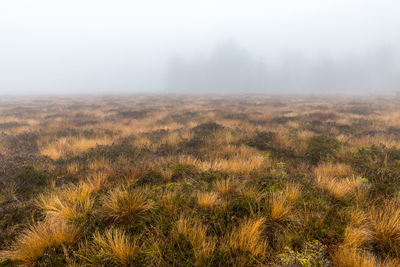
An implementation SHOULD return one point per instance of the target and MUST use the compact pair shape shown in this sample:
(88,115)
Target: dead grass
(71,145)
(340,188)
(118,246)
(293,192)
(225,187)
(195,232)
(333,170)
(385,224)
(33,242)
(207,200)
(355,237)
(247,237)
(280,208)
(70,203)
(354,258)
(121,203)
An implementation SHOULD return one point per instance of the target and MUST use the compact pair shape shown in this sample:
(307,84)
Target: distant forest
(230,68)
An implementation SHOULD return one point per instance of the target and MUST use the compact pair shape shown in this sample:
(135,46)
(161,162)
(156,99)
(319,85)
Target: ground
(152,180)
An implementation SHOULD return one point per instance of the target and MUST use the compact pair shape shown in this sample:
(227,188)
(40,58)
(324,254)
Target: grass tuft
(118,246)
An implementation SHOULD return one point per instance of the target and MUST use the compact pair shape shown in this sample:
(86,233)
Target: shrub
(313,254)
(321,148)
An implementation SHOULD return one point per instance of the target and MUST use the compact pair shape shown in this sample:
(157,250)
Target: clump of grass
(280,208)
(34,241)
(168,201)
(293,192)
(340,188)
(71,203)
(358,232)
(349,257)
(225,187)
(196,233)
(338,170)
(118,246)
(207,200)
(96,181)
(121,203)
(72,168)
(385,224)
(356,236)
(99,164)
(247,237)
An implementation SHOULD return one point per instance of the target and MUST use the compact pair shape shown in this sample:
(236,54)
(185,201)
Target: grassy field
(200,181)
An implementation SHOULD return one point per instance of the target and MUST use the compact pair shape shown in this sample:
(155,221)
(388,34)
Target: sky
(104,47)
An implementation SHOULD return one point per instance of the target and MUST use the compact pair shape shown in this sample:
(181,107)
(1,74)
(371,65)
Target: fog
(105,47)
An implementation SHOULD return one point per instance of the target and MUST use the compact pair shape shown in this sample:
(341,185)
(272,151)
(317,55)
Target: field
(152,180)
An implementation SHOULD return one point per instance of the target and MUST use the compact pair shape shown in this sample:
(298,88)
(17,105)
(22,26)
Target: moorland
(216,180)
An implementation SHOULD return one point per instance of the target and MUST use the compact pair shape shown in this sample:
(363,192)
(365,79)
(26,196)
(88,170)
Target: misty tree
(229,68)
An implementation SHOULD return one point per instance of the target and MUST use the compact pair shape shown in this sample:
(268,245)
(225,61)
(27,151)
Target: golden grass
(168,201)
(71,145)
(33,242)
(340,188)
(348,257)
(121,203)
(71,203)
(73,168)
(385,224)
(355,237)
(207,200)
(118,246)
(333,170)
(96,181)
(234,165)
(99,164)
(196,233)
(225,187)
(292,192)
(280,208)
(247,237)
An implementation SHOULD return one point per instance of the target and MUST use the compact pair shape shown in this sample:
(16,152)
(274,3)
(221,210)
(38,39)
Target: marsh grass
(211,180)
(118,246)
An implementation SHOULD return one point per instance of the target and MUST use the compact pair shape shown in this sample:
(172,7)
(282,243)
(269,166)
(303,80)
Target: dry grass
(280,208)
(168,201)
(121,203)
(225,187)
(355,237)
(348,257)
(333,170)
(71,145)
(236,165)
(247,237)
(71,203)
(385,224)
(99,164)
(118,246)
(195,232)
(340,188)
(354,258)
(73,168)
(33,242)
(292,192)
(96,181)
(207,200)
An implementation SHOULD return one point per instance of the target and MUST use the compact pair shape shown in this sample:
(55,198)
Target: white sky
(97,46)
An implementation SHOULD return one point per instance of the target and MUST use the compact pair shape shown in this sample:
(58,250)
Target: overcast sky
(97,46)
